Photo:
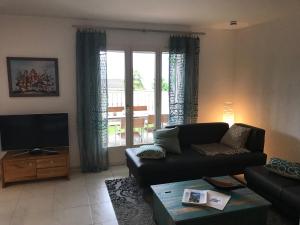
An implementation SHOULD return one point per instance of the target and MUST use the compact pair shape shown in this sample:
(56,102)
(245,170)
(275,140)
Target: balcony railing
(143,121)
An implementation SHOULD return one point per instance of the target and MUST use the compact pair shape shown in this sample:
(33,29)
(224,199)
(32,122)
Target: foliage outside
(164,85)
(137,81)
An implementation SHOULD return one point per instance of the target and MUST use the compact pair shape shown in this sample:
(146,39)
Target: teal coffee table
(244,208)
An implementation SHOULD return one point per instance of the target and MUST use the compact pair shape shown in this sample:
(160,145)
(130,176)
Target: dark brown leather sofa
(192,165)
(284,193)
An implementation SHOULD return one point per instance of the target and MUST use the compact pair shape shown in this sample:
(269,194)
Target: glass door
(143,73)
(164,113)
(138,96)
(116,98)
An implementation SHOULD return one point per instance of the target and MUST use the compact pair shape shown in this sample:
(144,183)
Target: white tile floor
(82,200)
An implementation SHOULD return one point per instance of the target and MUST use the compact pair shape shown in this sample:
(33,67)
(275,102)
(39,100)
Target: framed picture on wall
(32,77)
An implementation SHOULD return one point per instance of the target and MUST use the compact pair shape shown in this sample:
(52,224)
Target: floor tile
(75,216)
(38,189)
(8,207)
(10,193)
(121,174)
(101,175)
(114,222)
(41,218)
(98,195)
(82,200)
(5,219)
(241,178)
(71,198)
(103,213)
(122,168)
(76,183)
(97,180)
(28,204)
(120,171)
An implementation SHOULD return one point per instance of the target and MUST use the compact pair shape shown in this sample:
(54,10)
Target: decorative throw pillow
(236,136)
(284,168)
(150,152)
(168,139)
(217,149)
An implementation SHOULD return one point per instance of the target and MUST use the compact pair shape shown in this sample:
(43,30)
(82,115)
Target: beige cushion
(236,136)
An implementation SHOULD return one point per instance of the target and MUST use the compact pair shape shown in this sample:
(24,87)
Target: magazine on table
(205,198)
(194,197)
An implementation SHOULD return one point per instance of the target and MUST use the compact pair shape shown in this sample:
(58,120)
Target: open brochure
(205,197)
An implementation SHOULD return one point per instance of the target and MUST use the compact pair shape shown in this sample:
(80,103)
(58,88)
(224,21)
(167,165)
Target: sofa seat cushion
(217,149)
(268,182)
(291,197)
(171,163)
(190,161)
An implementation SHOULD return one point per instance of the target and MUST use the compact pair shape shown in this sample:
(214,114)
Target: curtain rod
(138,30)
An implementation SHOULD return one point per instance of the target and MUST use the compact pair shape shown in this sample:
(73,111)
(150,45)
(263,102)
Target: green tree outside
(164,85)
(137,81)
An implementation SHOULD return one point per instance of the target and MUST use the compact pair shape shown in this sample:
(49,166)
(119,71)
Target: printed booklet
(205,198)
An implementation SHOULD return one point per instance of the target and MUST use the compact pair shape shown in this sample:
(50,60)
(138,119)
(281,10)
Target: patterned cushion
(284,168)
(168,139)
(217,149)
(236,137)
(150,152)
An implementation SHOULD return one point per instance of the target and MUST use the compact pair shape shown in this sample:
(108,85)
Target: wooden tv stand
(34,167)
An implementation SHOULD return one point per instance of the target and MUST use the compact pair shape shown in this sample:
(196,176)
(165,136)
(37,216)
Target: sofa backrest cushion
(236,136)
(167,138)
(201,133)
(256,138)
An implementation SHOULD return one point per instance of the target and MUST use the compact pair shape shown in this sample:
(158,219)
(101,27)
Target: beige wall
(47,37)
(34,37)
(267,84)
(216,72)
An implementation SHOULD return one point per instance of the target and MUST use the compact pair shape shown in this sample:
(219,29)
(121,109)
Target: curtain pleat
(92,100)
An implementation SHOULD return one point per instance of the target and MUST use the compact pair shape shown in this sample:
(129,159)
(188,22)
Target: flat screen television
(27,132)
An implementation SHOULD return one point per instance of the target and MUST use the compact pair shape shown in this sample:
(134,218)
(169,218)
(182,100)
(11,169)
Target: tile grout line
(105,178)
(16,206)
(53,210)
(89,202)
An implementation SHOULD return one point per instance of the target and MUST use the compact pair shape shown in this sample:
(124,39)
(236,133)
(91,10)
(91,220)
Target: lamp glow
(228,114)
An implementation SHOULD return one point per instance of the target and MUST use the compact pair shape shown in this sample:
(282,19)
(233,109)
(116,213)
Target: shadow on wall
(282,145)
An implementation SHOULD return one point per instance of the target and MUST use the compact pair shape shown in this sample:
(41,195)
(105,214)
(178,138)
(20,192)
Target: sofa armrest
(256,138)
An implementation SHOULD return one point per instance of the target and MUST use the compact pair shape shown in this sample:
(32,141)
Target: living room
(247,63)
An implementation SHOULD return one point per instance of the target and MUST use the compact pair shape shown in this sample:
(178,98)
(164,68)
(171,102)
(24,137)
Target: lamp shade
(228,114)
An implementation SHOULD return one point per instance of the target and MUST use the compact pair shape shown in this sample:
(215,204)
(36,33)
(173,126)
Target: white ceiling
(202,13)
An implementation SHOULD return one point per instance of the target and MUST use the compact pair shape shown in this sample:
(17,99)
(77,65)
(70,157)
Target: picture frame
(32,77)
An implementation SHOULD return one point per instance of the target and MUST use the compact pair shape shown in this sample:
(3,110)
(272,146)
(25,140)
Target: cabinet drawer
(52,172)
(19,170)
(51,162)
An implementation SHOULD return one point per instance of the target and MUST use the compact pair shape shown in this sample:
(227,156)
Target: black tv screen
(25,132)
